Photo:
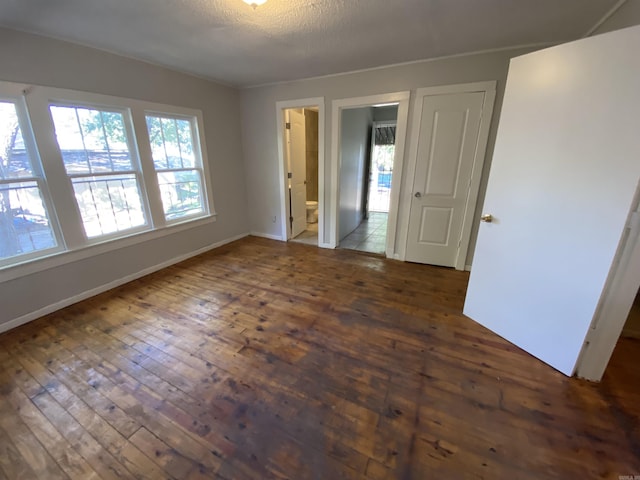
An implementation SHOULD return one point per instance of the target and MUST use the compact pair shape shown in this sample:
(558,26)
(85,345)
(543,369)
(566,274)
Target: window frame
(198,163)
(73,244)
(135,164)
(14,93)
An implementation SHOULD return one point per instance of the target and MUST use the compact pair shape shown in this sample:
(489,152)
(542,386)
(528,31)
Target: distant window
(178,165)
(25,224)
(94,145)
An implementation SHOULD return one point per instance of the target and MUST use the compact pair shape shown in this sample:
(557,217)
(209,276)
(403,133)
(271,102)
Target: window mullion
(147,168)
(60,188)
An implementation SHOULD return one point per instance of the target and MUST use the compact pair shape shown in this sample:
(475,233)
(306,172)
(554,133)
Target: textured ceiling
(228,41)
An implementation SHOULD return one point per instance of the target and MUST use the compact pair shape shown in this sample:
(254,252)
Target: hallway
(370,236)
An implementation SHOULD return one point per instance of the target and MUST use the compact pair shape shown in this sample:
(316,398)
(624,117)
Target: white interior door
(563,177)
(298,171)
(447,151)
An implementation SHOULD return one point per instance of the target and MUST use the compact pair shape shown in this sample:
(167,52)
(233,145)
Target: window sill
(35,265)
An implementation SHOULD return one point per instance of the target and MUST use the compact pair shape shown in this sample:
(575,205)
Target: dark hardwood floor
(265,360)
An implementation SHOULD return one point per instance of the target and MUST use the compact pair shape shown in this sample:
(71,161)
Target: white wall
(38,60)
(259,127)
(385,114)
(354,142)
(627,15)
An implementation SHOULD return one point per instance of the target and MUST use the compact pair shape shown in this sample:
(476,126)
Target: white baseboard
(16,322)
(467,268)
(326,245)
(267,235)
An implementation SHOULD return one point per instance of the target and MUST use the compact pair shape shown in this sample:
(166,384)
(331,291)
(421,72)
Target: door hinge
(289,175)
(287,125)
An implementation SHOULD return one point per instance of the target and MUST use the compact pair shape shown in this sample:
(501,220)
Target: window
(95,150)
(72,175)
(25,223)
(177,165)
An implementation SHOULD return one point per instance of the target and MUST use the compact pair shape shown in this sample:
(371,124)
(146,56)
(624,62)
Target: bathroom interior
(310,138)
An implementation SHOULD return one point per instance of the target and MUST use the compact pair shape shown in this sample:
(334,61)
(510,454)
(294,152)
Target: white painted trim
(16,322)
(402,120)
(402,98)
(467,268)
(282,168)
(538,45)
(326,245)
(63,210)
(489,89)
(267,235)
(68,256)
(476,173)
(618,296)
(604,18)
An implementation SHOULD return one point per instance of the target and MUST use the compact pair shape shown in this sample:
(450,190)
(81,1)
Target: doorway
(301,135)
(300,126)
(365,198)
(353,134)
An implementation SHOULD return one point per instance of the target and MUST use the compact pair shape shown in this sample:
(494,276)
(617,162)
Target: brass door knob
(487,217)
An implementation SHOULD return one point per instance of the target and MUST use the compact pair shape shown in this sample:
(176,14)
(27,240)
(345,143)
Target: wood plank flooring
(265,360)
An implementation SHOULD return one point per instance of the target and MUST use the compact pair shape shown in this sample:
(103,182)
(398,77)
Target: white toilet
(312,211)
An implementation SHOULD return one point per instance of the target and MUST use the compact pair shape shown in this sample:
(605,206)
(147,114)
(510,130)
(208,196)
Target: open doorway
(353,134)
(301,136)
(301,149)
(367,153)
(383,145)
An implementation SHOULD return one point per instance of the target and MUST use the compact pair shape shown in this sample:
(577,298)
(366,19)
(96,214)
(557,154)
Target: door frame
(619,292)
(489,90)
(285,209)
(402,99)
(381,123)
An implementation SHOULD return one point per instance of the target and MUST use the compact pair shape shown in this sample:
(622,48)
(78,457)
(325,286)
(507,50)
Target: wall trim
(604,18)
(267,235)
(535,45)
(64,257)
(16,322)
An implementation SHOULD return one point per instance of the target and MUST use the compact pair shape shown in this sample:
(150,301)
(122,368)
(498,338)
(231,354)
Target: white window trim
(200,160)
(14,93)
(78,247)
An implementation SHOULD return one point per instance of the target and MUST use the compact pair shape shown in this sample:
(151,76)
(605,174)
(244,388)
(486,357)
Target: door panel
(298,159)
(436,225)
(563,177)
(447,149)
